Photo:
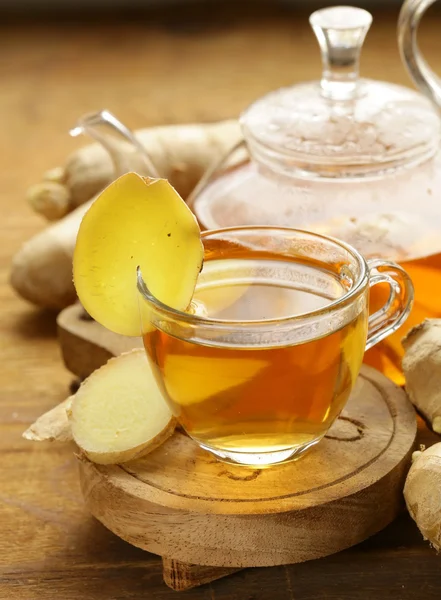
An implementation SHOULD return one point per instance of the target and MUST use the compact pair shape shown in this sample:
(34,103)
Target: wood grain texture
(193,475)
(182,503)
(86,345)
(148,72)
(181,576)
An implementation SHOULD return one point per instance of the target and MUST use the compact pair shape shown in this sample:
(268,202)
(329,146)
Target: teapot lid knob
(340,31)
(341,125)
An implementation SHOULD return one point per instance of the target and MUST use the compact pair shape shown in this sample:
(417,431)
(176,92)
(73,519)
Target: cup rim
(200,320)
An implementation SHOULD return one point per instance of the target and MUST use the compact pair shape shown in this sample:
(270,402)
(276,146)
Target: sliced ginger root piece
(119,412)
(136,222)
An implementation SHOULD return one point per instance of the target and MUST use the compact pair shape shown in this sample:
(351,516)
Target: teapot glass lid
(341,125)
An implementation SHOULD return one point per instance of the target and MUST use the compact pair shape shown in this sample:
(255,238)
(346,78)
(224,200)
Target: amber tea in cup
(264,361)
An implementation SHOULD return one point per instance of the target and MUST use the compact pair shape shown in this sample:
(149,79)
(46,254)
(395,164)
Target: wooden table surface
(148,71)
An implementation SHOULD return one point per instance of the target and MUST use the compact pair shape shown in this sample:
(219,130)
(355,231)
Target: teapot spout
(126,152)
(422,75)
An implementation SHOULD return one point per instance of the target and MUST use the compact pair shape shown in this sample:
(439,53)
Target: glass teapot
(349,157)
(353,158)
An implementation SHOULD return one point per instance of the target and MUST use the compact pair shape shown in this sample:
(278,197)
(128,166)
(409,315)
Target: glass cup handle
(395,311)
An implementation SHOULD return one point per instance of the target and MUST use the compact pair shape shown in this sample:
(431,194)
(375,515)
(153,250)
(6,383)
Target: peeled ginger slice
(119,412)
(136,222)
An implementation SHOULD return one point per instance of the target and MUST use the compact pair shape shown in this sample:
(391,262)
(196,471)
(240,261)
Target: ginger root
(422,493)
(180,153)
(422,369)
(41,271)
(117,414)
(49,198)
(52,426)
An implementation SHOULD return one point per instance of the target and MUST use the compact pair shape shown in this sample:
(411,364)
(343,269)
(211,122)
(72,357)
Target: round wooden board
(182,503)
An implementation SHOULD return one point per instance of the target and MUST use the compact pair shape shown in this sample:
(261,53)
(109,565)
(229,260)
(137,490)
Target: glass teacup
(266,357)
